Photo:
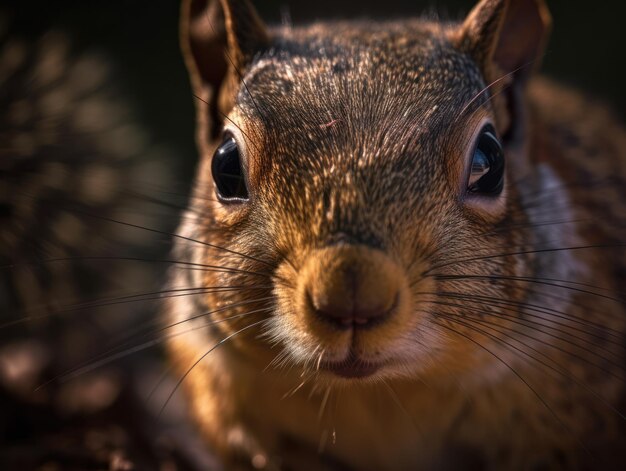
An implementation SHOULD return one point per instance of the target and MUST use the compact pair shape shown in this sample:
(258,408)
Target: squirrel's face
(360,173)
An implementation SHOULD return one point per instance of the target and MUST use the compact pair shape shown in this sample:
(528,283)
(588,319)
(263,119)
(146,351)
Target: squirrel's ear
(246,33)
(219,39)
(506,36)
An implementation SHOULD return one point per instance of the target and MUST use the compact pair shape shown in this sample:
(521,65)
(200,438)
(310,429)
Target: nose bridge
(329,196)
(340,204)
(346,213)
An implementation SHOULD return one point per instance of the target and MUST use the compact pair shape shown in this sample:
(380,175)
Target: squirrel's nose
(352,286)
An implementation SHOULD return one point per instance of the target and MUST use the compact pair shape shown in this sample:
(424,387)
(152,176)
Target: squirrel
(410,244)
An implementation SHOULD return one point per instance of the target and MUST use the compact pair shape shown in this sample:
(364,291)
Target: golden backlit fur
(502,341)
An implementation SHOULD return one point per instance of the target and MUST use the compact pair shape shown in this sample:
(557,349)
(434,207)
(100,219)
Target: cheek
(234,292)
(480,309)
(300,335)
(226,304)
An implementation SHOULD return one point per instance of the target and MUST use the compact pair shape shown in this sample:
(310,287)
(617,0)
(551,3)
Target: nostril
(351,315)
(351,286)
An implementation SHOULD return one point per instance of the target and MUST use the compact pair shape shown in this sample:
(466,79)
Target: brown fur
(356,137)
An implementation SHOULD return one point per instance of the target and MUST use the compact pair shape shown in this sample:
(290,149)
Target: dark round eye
(228,173)
(487,170)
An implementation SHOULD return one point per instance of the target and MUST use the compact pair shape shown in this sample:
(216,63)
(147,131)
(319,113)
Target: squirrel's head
(359,185)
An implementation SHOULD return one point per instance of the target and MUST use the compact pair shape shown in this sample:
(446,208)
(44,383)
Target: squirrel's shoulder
(576,118)
(576,130)
(584,141)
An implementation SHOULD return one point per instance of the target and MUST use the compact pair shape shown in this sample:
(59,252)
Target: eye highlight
(486,175)
(227,172)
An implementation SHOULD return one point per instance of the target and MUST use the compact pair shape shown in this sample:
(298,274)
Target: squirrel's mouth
(351,367)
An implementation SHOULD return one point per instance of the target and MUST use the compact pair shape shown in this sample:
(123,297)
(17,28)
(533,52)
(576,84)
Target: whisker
(398,403)
(319,360)
(109,356)
(135,298)
(142,331)
(533,225)
(227,118)
(112,354)
(525,252)
(514,320)
(538,308)
(164,375)
(542,310)
(169,234)
(490,86)
(517,375)
(280,360)
(507,345)
(202,357)
(538,281)
(293,391)
(323,404)
(93,365)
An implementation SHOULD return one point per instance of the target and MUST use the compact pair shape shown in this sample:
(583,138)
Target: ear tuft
(506,36)
(219,39)
(478,35)
(246,33)
(203,42)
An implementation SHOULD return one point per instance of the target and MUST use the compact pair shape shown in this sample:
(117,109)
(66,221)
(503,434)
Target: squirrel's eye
(487,170)
(228,173)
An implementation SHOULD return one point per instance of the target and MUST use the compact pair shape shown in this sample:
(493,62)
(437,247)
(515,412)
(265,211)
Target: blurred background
(96,160)
(586,47)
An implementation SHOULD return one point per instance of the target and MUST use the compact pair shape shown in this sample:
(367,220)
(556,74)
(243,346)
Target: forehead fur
(383,87)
